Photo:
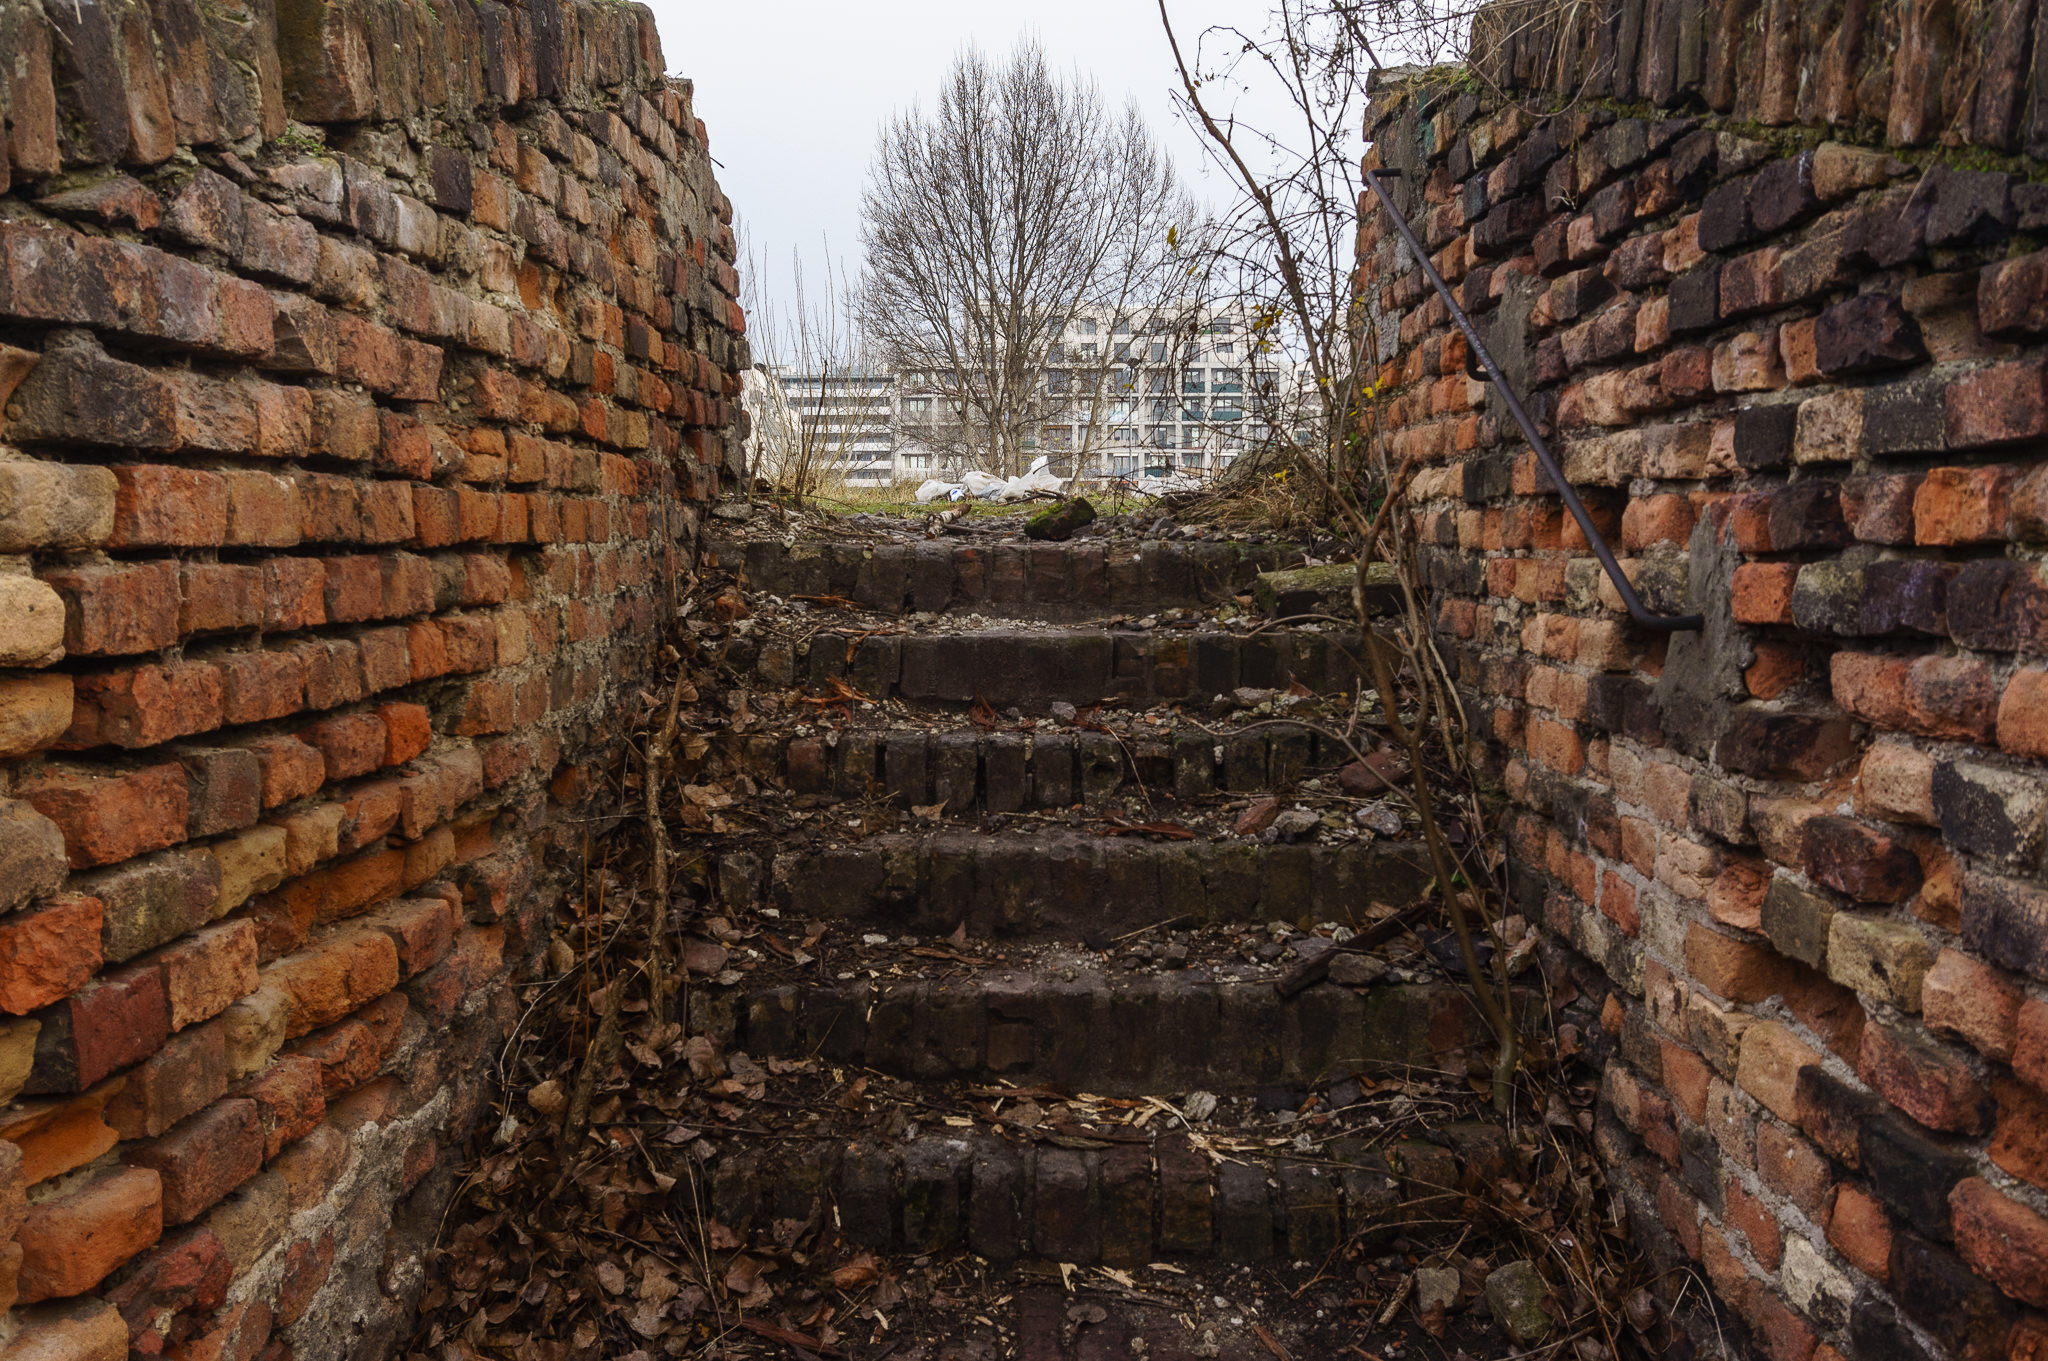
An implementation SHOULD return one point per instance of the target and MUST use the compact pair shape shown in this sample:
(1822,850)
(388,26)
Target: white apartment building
(1182,390)
(846,419)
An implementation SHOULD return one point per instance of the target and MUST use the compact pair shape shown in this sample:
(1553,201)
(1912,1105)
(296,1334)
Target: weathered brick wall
(365,370)
(1772,280)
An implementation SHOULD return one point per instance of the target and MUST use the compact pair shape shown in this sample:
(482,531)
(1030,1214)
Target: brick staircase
(1016,957)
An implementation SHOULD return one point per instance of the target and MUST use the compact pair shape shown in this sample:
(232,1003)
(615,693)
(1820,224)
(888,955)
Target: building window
(1159,436)
(1123,465)
(1088,350)
(1084,327)
(1056,381)
(1056,355)
(1123,326)
(1228,380)
(1123,434)
(1190,437)
(1158,352)
(1191,413)
(1162,410)
(1191,459)
(1059,437)
(1191,381)
(1159,381)
(1226,349)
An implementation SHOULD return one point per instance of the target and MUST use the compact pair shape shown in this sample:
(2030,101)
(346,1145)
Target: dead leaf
(611,1278)
(743,1275)
(547,1097)
(857,1273)
(1257,818)
(702,1053)
(701,956)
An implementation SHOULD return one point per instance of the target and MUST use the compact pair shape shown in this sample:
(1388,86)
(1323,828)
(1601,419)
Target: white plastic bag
(1024,484)
(979,483)
(933,489)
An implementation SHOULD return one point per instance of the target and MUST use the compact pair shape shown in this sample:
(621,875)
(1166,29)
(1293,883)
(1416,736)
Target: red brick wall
(365,370)
(1775,287)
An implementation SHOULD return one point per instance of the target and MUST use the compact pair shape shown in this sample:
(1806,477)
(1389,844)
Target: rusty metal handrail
(1663,623)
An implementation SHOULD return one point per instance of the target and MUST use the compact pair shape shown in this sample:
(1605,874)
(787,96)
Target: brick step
(1031,669)
(1145,1196)
(1070,1021)
(1060,582)
(1064,884)
(973,772)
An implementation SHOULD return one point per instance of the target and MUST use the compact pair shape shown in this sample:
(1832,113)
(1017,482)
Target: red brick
(145,706)
(1656,519)
(220,596)
(1828,1009)
(257,686)
(1792,1167)
(291,769)
(409,585)
(1732,968)
(168,507)
(263,510)
(185,1275)
(386,657)
(334,975)
(208,971)
(436,514)
(352,744)
(1970,1000)
(369,812)
(118,1019)
(107,818)
(294,593)
(385,362)
(1930,1083)
(1951,697)
(187,1075)
(1860,861)
(345,1055)
(303,1271)
(477,957)
(1753,1220)
(2019,1137)
(289,1099)
(2023,714)
(116,610)
(1861,1231)
(334,672)
(1998,405)
(1870,687)
(1763,592)
(1963,505)
(355,589)
(71,1243)
(48,952)
(386,509)
(1778,668)
(204,1157)
(2002,1240)
(408,731)
(422,929)
(47,1141)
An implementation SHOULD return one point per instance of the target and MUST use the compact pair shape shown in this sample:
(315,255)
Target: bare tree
(991,223)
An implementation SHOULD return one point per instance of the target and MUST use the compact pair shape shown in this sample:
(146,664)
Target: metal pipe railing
(1663,623)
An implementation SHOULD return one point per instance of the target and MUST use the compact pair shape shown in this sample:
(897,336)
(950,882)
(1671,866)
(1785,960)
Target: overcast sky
(793,92)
